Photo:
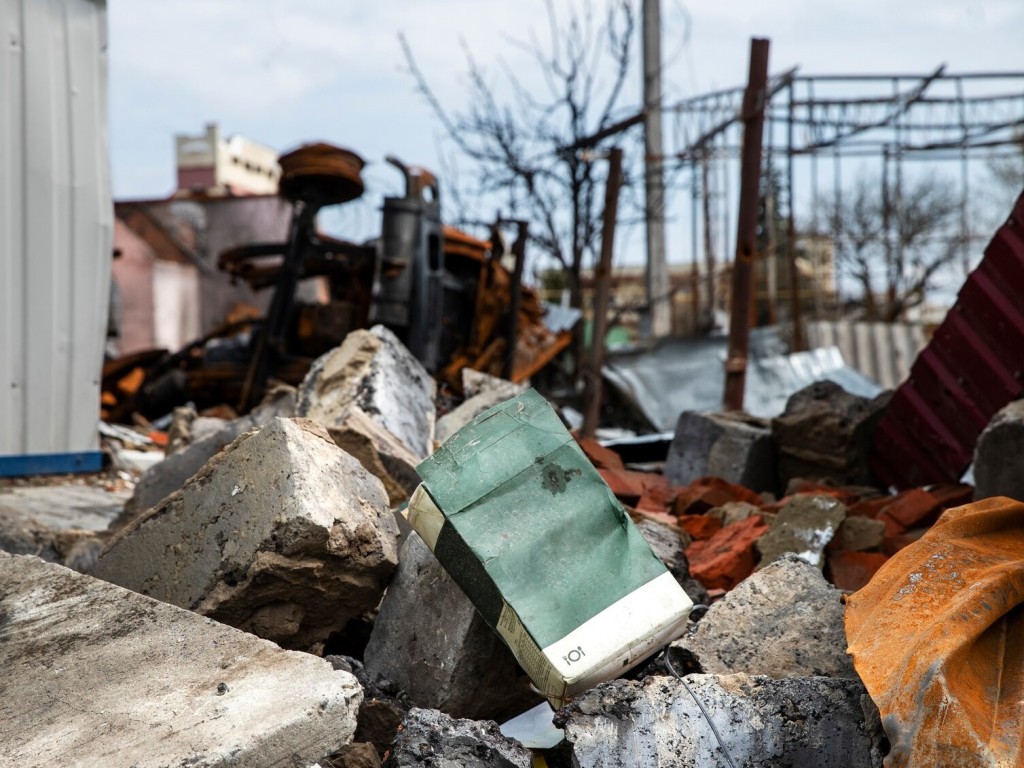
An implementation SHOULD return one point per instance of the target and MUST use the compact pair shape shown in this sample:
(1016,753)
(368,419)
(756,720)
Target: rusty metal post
(512,328)
(602,281)
(746,230)
(795,308)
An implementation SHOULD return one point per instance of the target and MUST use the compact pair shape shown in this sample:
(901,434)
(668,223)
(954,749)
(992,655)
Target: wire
(700,705)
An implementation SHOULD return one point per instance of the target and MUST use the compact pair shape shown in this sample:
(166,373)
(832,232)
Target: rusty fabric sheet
(938,638)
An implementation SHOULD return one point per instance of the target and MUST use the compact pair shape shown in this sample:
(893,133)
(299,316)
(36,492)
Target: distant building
(209,164)
(171,291)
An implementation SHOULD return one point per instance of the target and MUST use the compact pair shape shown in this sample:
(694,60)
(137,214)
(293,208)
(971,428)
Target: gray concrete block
(999,455)
(811,722)
(783,621)
(432,738)
(804,526)
(430,641)
(282,534)
(382,454)
(825,434)
(858,533)
(487,392)
(97,676)
(734,447)
(478,382)
(670,547)
(373,370)
(163,479)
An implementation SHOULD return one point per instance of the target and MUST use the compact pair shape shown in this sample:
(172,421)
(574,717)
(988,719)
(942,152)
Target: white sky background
(284,72)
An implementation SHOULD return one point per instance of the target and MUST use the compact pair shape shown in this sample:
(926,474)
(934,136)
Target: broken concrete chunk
(810,722)
(95,675)
(783,621)
(432,738)
(734,447)
(357,755)
(670,547)
(472,407)
(803,526)
(999,455)
(858,533)
(734,512)
(22,535)
(382,454)
(170,475)
(430,642)
(825,433)
(373,370)
(478,382)
(283,534)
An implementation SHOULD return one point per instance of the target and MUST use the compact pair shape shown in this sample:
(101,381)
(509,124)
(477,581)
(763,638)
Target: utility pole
(658,319)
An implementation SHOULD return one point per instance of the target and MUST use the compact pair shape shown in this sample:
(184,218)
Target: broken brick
(700,527)
(627,485)
(892,544)
(658,494)
(853,570)
(600,457)
(728,557)
(911,509)
(800,485)
(868,507)
(952,495)
(710,492)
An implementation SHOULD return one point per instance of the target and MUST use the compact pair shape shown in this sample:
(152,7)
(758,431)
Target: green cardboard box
(525,525)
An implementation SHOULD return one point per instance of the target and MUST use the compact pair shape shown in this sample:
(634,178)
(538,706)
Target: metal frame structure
(818,126)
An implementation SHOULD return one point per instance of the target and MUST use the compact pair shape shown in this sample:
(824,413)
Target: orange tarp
(938,638)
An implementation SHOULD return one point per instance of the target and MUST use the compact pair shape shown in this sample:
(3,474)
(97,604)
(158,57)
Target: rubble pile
(280,529)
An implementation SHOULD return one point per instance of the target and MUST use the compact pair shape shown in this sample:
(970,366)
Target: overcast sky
(284,72)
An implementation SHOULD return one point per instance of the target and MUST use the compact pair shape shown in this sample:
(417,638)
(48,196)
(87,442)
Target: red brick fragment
(628,486)
(658,494)
(728,557)
(852,570)
(709,492)
(600,457)
(911,509)
(893,544)
(700,527)
(800,486)
(869,507)
(952,495)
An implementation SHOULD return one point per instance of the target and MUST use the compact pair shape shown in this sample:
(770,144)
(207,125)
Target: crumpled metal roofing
(973,366)
(689,375)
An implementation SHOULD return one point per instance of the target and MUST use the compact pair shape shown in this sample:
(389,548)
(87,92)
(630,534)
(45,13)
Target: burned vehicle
(446,294)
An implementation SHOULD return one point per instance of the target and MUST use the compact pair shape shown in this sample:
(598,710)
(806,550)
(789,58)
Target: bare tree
(1008,169)
(519,138)
(894,246)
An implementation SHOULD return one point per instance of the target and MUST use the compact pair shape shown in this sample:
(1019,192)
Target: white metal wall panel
(56,223)
(882,351)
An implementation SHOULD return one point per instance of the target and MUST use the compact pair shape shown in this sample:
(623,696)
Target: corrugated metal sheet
(56,221)
(973,366)
(689,375)
(883,352)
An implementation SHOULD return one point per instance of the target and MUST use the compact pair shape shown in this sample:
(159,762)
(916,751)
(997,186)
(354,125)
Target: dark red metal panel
(973,366)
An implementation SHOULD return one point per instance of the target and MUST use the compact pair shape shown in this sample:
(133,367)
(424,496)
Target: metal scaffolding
(820,129)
